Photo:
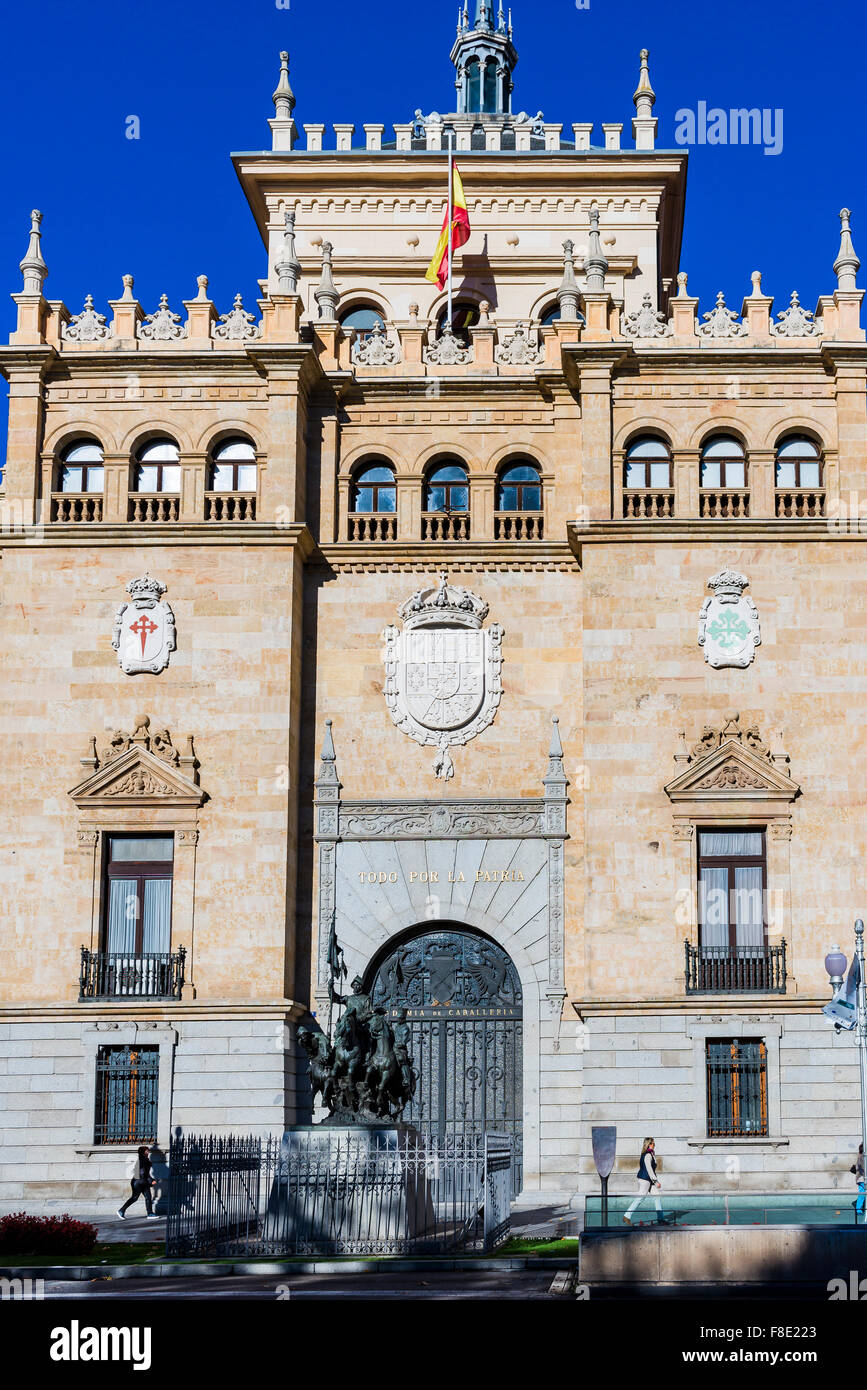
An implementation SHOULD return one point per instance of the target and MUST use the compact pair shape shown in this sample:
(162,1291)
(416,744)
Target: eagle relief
(442,669)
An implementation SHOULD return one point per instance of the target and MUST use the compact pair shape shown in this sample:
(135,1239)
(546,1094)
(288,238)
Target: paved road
(518,1284)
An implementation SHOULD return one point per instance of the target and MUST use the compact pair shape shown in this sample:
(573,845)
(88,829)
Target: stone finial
(283,97)
(128,283)
(596,264)
(847,263)
(33,267)
(288,267)
(681,284)
(202,282)
(644,95)
(328,765)
(413,313)
(567,294)
(484,311)
(327,295)
(756,279)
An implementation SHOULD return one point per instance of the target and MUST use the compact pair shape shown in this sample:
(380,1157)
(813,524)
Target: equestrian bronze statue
(366,1076)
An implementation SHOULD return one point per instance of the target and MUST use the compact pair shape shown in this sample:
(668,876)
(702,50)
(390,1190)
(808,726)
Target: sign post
(604,1139)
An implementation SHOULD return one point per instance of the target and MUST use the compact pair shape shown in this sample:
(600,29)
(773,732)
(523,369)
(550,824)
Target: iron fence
(152,975)
(338,1192)
(736,969)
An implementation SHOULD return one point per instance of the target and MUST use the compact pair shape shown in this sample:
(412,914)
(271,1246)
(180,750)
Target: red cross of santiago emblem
(143,628)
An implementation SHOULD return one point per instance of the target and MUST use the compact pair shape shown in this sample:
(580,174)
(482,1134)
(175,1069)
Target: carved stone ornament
(728,626)
(442,669)
(797,322)
(88,326)
(647,322)
(144,628)
(376,350)
(447,350)
(732,763)
(163,326)
(237,325)
(143,766)
(722,322)
(518,349)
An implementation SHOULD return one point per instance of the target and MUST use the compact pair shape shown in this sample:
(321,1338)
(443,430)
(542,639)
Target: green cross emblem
(728,630)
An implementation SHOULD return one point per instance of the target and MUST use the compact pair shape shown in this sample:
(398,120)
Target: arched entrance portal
(463,1001)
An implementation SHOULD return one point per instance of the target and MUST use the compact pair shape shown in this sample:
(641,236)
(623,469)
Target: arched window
(799,462)
(447,488)
(233,466)
(519,488)
(81,469)
(364,318)
(490,103)
(473,85)
(723,463)
(464,315)
(157,467)
(648,463)
(374,489)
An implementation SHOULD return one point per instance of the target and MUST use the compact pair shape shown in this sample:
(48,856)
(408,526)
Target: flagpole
(450,228)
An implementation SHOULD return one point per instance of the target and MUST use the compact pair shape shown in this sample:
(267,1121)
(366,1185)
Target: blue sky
(168,207)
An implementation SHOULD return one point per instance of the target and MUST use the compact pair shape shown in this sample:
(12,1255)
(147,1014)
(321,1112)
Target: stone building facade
(318,613)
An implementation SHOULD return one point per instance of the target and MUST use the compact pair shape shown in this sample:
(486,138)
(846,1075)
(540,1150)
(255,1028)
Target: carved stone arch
(75,431)
(468,293)
(653,425)
(797,424)
(350,461)
(431,452)
(144,431)
(360,297)
(216,431)
(542,302)
(723,424)
(504,453)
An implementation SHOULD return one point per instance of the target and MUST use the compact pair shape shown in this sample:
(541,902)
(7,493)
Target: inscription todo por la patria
(374,876)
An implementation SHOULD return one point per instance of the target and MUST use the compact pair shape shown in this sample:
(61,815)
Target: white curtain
(713,906)
(157,932)
(730,843)
(122,910)
(748,913)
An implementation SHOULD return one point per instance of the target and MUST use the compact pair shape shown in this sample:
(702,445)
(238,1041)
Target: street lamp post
(835,964)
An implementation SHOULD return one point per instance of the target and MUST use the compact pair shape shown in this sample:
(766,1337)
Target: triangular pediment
(137,777)
(732,772)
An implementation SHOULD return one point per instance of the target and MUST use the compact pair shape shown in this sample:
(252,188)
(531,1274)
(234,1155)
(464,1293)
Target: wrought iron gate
(463,1002)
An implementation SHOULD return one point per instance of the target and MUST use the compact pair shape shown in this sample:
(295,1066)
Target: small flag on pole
(336,963)
(438,269)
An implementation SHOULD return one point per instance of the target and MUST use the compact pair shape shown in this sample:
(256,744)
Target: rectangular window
(127,1089)
(737,1088)
(732,869)
(138,896)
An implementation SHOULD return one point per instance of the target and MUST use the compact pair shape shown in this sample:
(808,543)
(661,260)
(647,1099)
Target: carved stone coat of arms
(144,628)
(442,669)
(728,626)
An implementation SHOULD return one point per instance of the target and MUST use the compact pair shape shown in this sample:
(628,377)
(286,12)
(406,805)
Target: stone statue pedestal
(350,1190)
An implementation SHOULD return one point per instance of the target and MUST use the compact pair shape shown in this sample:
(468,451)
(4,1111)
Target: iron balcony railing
(109,974)
(735,969)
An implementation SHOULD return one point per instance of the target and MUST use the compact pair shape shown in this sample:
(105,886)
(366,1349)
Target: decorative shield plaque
(144,628)
(728,626)
(442,669)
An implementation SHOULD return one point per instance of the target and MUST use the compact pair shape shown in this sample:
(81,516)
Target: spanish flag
(460,232)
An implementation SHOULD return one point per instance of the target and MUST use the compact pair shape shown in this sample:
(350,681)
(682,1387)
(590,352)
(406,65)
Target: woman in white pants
(647,1181)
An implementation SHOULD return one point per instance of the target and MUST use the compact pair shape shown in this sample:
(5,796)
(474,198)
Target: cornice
(691,530)
(133,1011)
(702,1006)
(357,556)
(136,533)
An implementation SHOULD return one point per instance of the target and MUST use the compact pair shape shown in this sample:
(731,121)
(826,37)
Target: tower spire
(847,263)
(485,58)
(33,267)
(596,265)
